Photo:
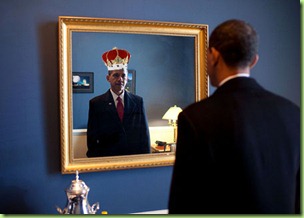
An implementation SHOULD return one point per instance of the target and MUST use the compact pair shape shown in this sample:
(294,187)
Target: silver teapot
(77,202)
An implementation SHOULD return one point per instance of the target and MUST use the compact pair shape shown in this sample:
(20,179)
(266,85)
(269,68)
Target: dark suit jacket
(238,151)
(108,136)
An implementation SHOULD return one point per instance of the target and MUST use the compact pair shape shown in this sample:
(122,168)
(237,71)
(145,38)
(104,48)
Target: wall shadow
(48,50)
(17,204)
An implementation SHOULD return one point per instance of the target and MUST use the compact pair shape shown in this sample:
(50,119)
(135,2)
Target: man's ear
(214,56)
(254,61)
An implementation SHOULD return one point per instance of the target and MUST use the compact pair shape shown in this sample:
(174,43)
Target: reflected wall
(164,70)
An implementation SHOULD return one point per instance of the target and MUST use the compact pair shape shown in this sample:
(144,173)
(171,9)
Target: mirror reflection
(167,68)
(163,74)
(117,123)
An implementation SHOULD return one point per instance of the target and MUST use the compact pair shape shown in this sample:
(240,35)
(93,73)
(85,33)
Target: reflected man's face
(118,80)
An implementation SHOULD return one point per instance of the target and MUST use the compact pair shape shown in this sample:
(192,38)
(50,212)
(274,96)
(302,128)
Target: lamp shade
(172,113)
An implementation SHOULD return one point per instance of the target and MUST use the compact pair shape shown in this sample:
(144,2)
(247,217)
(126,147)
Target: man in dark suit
(238,151)
(117,123)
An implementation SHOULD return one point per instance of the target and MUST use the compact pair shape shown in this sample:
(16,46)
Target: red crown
(116,59)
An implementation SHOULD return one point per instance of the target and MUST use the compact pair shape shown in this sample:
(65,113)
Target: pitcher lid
(77,186)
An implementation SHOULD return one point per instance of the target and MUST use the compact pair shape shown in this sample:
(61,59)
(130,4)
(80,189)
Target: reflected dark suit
(108,136)
(238,151)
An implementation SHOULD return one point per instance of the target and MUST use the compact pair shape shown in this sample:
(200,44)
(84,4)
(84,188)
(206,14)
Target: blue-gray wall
(30,178)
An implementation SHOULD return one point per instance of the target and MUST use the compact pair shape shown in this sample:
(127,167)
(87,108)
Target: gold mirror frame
(68,25)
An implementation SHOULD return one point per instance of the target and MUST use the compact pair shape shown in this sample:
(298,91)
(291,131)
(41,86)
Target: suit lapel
(129,106)
(110,105)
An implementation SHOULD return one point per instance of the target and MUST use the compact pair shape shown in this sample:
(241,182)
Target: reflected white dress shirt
(115,97)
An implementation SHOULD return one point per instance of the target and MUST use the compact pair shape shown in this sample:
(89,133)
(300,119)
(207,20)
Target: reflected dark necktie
(120,108)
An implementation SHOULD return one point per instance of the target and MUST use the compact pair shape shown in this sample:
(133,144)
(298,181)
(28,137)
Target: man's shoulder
(99,98)
(283,101)
(133,96)
(197,106)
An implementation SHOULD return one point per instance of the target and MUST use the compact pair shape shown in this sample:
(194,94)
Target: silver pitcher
(77,202)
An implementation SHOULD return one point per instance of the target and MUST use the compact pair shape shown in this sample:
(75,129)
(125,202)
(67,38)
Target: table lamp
(171,115)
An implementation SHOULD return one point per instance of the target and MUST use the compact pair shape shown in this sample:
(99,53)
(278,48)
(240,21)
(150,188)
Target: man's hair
(237,42)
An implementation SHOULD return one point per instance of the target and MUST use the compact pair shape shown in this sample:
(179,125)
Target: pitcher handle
(95,207)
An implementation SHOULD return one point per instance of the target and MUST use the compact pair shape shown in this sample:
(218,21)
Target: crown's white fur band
(117,67)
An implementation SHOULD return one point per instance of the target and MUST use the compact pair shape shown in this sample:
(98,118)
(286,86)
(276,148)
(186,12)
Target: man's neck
(232,77)
(227,73)
(117,93)
(121,94)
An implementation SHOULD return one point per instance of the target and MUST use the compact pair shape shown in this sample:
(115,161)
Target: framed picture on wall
(131,84)
(83,82)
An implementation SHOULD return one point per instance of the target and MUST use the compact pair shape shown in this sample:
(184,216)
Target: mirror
(166,57)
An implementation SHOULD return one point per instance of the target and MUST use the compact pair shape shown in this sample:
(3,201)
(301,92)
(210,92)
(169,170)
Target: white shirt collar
(115,96)
(232,77)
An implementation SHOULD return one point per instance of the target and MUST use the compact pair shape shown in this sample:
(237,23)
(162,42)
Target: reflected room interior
(164,77)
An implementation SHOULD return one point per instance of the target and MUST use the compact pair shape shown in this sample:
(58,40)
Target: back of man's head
(236,41)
